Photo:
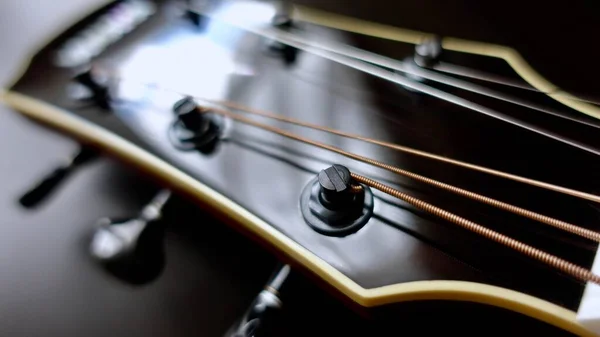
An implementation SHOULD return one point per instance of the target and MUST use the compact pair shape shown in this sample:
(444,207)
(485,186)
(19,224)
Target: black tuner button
(194,17)
(428,52)
(191,116)
(132,249)
(332,204)
(44,188)
(335,187)
(195,128)
(99,90)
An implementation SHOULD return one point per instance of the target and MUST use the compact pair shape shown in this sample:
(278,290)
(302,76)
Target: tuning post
(195,127)
(283,20)
(333,204)
(44,188)
(132,249)
(193,16)
(428,52)
(283,15)
(90,86)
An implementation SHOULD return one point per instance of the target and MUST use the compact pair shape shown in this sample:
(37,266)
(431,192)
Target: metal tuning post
(255,322)
(132,249)
(426,55)
(43,188)
(428,52)
(283,20)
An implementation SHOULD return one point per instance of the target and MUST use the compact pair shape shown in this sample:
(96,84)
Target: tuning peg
(283,15)
(428,52)
(42,189)
(194,127)
(97,87)
(264,308)
(132,249)
(283,20)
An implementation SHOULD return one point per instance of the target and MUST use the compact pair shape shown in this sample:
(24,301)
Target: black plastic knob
(331,206)
(335,186)
(44,188)
(190,115)
(194,127)
(99,91)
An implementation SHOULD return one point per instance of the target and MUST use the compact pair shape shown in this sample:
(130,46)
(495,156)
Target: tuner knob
(332,206)
(428,52)
(335,187)
(132,249)
(264,310)
(44,188)
(190,115)
(99,90)
(195,128)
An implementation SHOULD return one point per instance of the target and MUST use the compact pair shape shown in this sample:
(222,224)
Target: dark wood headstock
(254,179)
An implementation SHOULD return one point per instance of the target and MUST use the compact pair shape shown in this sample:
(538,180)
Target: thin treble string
(407,68)
(289,39)
(382,31)
(492,78)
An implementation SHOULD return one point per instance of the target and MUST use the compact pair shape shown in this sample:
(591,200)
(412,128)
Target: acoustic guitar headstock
(390,164)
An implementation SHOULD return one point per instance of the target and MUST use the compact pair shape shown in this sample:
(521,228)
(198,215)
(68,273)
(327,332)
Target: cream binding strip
(412,291)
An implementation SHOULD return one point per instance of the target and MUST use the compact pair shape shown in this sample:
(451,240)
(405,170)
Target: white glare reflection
(187,63)
(246,12)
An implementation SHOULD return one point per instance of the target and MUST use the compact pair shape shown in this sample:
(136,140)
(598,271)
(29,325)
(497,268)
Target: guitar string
(408,68)
(552,187)
(463,71)
(592,235)
(583,232)
(381,73)
(511,56)
(387,62)
(405,149)
(565,266)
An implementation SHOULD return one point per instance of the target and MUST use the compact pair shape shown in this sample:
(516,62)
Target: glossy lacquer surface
(265,173)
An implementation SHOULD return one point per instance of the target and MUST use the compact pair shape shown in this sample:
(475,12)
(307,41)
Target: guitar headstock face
(168,57)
